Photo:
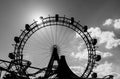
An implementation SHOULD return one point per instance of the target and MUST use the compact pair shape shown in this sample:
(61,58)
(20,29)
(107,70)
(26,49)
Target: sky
(101,16)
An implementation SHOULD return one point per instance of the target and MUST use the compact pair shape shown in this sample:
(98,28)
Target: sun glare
(36,14)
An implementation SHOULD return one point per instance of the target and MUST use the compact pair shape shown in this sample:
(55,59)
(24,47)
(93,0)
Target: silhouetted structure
(17,67)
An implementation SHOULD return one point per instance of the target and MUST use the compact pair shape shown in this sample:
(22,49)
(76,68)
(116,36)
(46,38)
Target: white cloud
(81,51)
(80,55)
(106,69)
(107,54)
(108,22)
(117,23)
(77,69)
(84,54)
(95,32)
(77,35)
(112,22)
(103,37)
(103,69)
(110,41)
(104,54)
(107,37)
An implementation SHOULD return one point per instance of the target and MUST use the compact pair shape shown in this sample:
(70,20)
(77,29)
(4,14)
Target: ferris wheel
(52,48)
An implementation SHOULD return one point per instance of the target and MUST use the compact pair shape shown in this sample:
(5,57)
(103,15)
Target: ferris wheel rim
(62,21)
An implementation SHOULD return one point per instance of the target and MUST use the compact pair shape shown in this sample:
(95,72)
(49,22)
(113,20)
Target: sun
(35,15)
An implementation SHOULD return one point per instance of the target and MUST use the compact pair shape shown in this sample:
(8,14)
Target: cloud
(108,22)
(112,22)
(117,23)
(104,37)
(104,54)
(77,69)
(83,55)
(103,69)
(107,37)
(82,52)
(80,55)
(106,69)
(79,45)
